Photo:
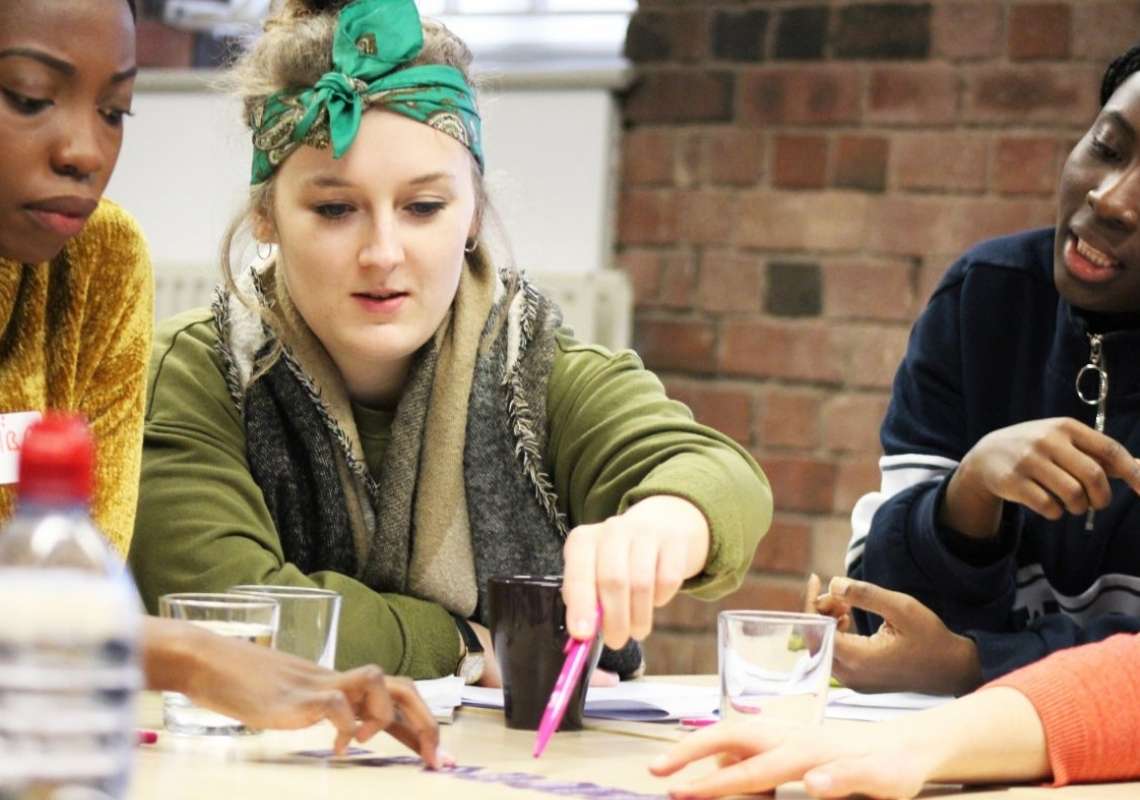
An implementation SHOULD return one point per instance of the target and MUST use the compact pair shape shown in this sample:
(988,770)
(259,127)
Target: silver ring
(1102,385)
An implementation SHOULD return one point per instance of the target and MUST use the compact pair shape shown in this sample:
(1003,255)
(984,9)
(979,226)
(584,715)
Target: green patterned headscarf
(373,40)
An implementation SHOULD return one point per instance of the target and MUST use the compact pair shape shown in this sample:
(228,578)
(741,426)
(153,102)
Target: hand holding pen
(631,563)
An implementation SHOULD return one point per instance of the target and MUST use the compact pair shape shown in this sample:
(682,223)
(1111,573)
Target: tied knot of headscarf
(338,96)
(375,40)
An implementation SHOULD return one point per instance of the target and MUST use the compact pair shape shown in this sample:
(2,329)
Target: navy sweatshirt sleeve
(1005,651)
(924,436)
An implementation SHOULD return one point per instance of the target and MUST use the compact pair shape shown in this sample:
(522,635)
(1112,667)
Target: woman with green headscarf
(373,407)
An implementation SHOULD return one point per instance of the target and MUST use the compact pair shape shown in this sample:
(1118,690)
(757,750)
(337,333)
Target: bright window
(537,33)
(533,34)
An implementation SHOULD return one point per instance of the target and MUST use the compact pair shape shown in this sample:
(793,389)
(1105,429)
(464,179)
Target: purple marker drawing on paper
(517,780)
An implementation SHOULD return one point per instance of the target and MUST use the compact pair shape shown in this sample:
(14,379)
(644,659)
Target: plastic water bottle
(70,622)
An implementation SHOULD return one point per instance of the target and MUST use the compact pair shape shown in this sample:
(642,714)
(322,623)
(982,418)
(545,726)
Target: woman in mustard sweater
(76,294)
(75,326)
(376,407)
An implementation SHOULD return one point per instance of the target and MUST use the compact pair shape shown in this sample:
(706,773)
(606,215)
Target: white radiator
(177,290)
(597,305)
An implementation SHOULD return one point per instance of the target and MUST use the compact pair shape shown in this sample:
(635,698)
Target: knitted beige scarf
(441,566)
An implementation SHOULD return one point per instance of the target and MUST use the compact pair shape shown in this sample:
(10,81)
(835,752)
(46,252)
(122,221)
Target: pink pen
(577,651)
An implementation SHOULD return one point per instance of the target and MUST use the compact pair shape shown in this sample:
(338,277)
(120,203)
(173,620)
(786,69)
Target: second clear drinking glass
(237,616)
(774,663)
(309,620)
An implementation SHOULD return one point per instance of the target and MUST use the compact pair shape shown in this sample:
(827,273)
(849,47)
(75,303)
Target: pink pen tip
(546,730)
(577,651)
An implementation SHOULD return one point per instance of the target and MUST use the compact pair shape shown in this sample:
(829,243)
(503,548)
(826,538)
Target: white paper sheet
(656,701)
(442,695)
(651,701)
(643,701)
(482,697)
(849,704)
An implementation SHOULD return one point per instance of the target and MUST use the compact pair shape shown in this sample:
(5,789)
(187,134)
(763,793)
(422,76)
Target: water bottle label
(12,427)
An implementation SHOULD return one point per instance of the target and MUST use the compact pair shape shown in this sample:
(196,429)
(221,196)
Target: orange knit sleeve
(1088,699)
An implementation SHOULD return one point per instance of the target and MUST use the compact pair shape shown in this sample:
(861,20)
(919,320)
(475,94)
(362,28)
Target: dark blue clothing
(996,346)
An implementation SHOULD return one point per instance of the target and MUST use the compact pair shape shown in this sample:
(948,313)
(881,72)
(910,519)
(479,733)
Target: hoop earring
(264,256)
(471,245)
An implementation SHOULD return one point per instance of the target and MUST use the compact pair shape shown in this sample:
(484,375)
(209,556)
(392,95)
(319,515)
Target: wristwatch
(472,659)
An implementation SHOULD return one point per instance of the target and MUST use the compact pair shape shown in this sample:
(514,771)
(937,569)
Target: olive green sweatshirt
(614,439)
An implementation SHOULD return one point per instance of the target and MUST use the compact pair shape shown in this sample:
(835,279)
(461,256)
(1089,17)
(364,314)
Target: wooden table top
(494,762)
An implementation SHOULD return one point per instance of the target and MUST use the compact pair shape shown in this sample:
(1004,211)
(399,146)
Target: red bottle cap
(57,460)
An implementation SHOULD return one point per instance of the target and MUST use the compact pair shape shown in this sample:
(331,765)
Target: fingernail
(444,758)
(817,782)
(583,628)
(659,763)
(839,586)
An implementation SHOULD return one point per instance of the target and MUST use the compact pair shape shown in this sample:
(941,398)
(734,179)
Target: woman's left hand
(631,563)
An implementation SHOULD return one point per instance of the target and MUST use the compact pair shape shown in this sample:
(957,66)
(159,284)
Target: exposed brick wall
(161,46)
(796,176)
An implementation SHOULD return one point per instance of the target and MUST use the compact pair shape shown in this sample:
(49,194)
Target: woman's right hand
(756,756)
(1050,466)
(993,735)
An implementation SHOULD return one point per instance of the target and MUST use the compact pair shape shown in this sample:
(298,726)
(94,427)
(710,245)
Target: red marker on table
(577,651)
(146,737)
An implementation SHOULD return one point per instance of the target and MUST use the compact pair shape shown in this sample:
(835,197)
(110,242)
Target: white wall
(550,146)
(181,173)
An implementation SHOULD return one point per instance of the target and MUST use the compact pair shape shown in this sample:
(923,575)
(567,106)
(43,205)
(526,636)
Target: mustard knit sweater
(75,336)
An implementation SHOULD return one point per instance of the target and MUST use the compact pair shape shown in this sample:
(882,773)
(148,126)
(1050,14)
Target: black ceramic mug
(528,628)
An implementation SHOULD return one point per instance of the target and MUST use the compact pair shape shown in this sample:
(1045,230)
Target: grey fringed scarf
(439,522)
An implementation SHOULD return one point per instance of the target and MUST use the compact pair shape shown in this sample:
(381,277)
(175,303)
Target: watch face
(471,670)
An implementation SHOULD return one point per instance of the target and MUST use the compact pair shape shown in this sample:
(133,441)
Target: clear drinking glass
(252,619)
(774,663)
(308,620)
